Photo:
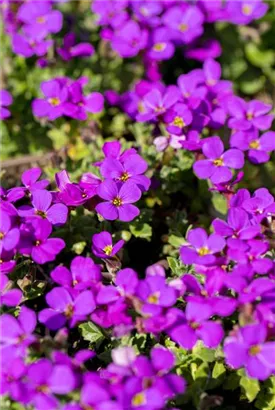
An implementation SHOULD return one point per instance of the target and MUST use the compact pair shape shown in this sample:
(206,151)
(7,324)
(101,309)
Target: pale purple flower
(55,97)
(102,245)
(258,147)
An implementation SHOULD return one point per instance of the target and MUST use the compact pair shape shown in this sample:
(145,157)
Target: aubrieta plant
(137,272)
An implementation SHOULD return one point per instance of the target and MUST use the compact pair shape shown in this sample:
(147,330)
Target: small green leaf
(205,354)
(91,332)
(176,241)
(141,230)
(257,57)
(175,266)
(251,387)
(78,247)
(220,203)
(218,370)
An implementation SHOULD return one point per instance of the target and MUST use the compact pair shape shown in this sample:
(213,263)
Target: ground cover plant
(137,264)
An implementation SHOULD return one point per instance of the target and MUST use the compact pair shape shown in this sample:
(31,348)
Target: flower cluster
(64,96)
(156,28)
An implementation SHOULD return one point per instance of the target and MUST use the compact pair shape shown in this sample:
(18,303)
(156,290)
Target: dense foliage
(138,265)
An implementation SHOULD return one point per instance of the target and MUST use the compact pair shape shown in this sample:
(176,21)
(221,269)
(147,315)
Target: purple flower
(54,104)
(83,273)
(202,248)
(27,46)
(186,22)
(42,206)
(12,374)
(17,332)
(156,103)
(103,245)
(178,118)
(11,195)
(64,306)
(9,235)
(119,201)
(162,48)
(30,178)
(129,39)
(130,169)
(260,206)
(5,100)
(245,115)
(217,163)
(35,241)
(39,18)
(249,349)
(243,11)
(258,148)
(238,225)
(9,296)
(196,325)
(71,50)
(46,380)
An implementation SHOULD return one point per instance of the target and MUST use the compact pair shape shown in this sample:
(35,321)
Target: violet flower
(248,348)
(201,249)
(129,39)
(5,101)
(259,148)
(70,49)
(9,296)
(9,235)
(53,106)
(30,178)
(217,164)
(102,245)
(119,201)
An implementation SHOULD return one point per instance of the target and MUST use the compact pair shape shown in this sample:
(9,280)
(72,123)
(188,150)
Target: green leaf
(250,387)
(176,241)
(175,266)
(220,203)
(259,58)
(141,230)
(232,382)
(205,354)
(91,332)
(218,370)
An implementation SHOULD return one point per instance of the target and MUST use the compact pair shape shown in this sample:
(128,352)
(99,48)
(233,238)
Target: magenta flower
(201,249)
(178,118)
(9,296)
(5,101)
(46,380)
(119,201)
(9,235)
(83,273)
(245,115)
(103,245)
(196,325)
(54,104)
(17,332)
(130,169)
(259,148)
(56,214)
(248,348)
(238,225)
(35,241)
(186,22)
(66,307)
(162,48)
(27,46)
(156,103)
(129,39)
(39,18)
(30,178)
(11,195)
(243,11)
(217,164)
(70,49)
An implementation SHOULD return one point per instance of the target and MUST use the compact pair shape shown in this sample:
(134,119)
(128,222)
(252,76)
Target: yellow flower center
(2,235)
(203,251)
(218,162)
(247,9)
(43,388)
(124,177)
(41,213)
(37,243)
(249,115)
(117,201)
(159,47)
(254,144)
(69,311)
(178,122)
(54,101)
(154,298)
(254,350)
(138,400)
(108,250)
(183,27)
(194,325)
(140,107)
(40,20)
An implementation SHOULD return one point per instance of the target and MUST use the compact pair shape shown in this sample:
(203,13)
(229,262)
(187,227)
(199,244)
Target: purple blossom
(119,201)
(66,307)
(201,249)
(217,164)
(238,225)
(248,348)
(258,147)
(9,296)
(27,46)
(56,214)
(243,11)
(9,234)
(70,49)
(30,178)
(129,39)
(54,104)
(5,101)
(103,245)
(245,115)
(162,48)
